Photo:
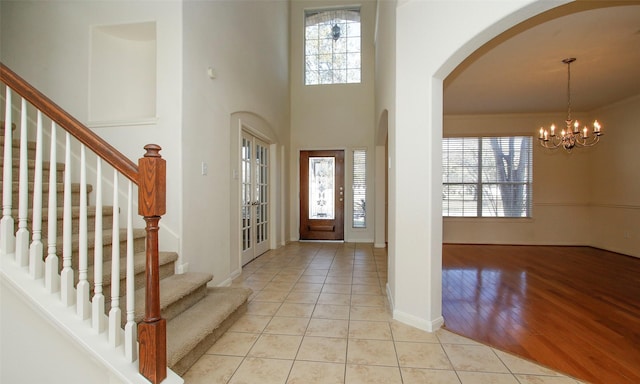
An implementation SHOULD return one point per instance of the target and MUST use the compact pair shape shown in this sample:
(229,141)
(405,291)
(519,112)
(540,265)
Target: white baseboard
(417,322)
(50,315)
(229,280)
(182,268)
(225,283)
(379,245)
(414,321)
(235,273)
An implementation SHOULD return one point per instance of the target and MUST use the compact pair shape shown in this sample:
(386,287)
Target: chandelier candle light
(572,136)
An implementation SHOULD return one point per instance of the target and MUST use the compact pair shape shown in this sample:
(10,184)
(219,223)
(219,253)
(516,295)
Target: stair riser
(2,128)
(183,304)
(138,246)
(165,270)
(107,223)
(167,313)
(182,366)
(15,171)
(140,281)
(75,195)
(15,148)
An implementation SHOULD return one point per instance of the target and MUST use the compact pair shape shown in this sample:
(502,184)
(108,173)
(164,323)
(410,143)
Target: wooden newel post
(152,202)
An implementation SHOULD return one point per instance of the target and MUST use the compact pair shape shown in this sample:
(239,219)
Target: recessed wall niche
(122,87)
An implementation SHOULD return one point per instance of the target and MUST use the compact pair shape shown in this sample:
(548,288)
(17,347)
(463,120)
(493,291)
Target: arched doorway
(432,39)
(552,214)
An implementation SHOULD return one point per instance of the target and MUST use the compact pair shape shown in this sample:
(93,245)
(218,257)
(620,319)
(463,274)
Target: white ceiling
(521,71)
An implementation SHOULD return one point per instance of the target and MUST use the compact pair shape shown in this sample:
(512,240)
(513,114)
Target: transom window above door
(332,46)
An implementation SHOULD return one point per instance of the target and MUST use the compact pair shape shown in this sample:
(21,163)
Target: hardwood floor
(573,309)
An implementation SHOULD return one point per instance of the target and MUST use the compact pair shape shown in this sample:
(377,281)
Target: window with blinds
(487,176)
(359,188)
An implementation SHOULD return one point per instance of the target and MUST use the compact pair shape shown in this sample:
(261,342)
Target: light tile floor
(319,314)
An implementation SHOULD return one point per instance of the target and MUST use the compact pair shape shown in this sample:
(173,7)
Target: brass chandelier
(572,136)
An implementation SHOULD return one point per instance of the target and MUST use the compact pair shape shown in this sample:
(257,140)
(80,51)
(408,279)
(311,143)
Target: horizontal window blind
(359,188)
(487,176)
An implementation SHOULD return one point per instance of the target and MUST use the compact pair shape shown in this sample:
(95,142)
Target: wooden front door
(322,195)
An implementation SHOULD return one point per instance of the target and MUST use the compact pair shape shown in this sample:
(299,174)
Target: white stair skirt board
(67,322)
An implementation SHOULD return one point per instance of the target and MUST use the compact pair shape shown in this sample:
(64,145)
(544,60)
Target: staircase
(196,315)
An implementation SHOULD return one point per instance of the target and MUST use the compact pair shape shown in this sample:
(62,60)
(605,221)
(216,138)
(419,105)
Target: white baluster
(98,297)
(83,307)
(7,236)
(130,334)
(22,236)
(36,250)
(66,284)
(52,278)
(115,315)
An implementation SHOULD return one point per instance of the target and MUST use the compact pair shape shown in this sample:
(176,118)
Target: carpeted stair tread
(107,219)
(75,212)
(186,330)
(3,127)
(107,236)
(15,145)
(31,165)
(139,265)
(172,289)
(75,188)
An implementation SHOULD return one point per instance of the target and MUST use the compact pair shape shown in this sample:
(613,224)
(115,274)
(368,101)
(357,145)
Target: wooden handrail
(70,124)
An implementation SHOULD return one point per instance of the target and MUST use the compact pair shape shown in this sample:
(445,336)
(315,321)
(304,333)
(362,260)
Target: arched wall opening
(433,38)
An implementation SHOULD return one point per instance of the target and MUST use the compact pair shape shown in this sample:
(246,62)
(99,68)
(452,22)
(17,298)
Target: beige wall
(332,116)
(560,188)
(615,170)
(53,53)
(590,196)
(385,41)
(246,43)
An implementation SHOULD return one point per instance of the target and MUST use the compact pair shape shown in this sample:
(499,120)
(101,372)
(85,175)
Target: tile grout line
(346,353)
(339,261)
(295,357)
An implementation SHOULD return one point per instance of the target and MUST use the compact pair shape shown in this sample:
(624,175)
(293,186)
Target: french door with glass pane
(255,197)
(322,195)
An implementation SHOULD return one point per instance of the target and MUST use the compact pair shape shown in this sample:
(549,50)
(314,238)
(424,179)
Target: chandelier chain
(569,90)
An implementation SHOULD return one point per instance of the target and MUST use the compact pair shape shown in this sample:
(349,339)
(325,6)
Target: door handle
(255,203)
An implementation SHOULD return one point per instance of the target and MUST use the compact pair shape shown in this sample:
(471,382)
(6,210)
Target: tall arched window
(332,46)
